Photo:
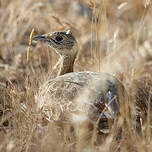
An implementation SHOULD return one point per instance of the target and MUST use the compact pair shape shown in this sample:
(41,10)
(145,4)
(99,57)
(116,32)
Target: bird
(73,97)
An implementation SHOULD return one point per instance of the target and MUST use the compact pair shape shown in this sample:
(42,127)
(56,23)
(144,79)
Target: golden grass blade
(30,43)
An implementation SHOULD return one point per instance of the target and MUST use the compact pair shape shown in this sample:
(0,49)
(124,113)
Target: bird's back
(66,94)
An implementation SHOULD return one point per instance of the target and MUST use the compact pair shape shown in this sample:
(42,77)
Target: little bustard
(62,98)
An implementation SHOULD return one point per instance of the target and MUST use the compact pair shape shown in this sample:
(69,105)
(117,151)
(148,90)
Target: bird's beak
(42,38)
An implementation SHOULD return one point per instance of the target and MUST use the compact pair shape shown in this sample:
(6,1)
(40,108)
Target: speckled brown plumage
(71,94)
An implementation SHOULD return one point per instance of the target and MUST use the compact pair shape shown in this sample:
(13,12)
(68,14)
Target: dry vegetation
(113,36)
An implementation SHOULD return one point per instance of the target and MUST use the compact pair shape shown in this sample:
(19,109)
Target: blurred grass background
(113,36)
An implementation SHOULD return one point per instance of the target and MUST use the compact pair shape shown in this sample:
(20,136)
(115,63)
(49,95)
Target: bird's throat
(66,65)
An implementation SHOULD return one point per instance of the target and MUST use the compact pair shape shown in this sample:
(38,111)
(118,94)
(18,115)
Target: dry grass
(116,39)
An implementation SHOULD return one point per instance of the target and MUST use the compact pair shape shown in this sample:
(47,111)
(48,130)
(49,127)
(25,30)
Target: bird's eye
(58,38)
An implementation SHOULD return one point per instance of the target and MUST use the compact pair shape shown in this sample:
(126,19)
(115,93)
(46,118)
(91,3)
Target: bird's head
(63,42)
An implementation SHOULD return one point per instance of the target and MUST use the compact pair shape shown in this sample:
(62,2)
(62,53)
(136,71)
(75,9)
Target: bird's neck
(66,61)
(66,65)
